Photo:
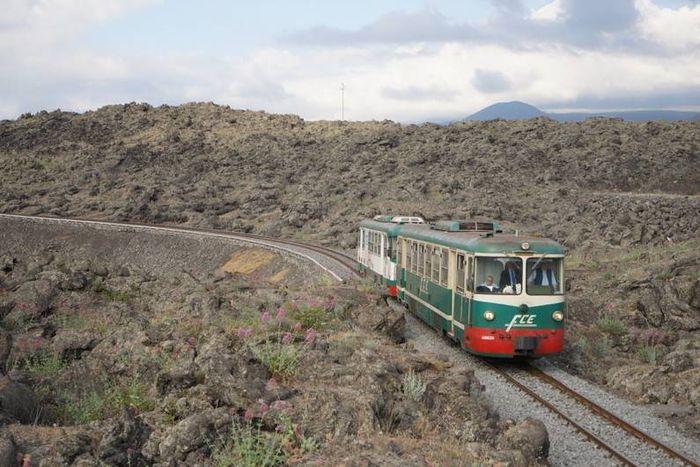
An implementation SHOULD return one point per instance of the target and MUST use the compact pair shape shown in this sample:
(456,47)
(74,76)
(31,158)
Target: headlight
(558,316)
(489,316)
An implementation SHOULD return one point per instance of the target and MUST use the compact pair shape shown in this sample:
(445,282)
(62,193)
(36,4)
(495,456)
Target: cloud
(427,25)
(406,66)
(418,93)
(490,81)
(626,25)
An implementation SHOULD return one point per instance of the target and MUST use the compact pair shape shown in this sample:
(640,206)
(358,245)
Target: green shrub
(133,394)
(413,386)
(248,446)
(311,317)
(280,359)
(612,325)
(106,399)
(44,365)
(112,295)
(85,409)
(650,353)
(600,347)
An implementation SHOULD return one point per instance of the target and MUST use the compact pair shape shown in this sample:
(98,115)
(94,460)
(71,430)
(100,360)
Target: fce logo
(522,321)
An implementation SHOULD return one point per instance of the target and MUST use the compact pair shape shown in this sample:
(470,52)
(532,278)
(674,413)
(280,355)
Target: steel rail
(605,414)
(269,242)
(590,436)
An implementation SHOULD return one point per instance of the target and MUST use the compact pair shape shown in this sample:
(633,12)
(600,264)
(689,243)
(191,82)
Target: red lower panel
(500,342)
(392,290)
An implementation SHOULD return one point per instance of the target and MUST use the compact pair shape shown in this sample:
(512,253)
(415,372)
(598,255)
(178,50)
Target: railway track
(342,266)
(512,373)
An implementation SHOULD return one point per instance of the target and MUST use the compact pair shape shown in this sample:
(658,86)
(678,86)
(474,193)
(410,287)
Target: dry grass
(248,260)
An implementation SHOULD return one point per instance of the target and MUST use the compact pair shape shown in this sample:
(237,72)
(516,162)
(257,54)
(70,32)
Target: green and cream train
(497,294)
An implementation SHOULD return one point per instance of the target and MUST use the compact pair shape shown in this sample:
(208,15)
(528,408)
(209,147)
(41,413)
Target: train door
(462,293)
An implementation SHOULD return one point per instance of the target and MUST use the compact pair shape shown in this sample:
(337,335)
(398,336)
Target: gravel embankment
(328,265)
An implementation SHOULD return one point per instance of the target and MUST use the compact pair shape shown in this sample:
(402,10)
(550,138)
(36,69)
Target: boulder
(71,344)
(8,450)
(122,440)
(18,402)
(192,433)
(7,263)
(528,436)
(5,349)
(180,376)
(679,360)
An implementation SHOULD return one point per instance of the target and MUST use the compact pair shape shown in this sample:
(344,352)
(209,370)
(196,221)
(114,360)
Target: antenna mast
(342,101)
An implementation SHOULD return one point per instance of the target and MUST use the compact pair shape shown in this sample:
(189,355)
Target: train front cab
(516,320)
(443,287)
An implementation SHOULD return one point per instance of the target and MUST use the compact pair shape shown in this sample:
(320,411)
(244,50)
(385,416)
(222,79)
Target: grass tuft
(413,386)
(612,325)
(650,353)
(280,359)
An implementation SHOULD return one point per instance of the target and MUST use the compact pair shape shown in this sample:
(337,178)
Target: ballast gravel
(639,416)
(567,446)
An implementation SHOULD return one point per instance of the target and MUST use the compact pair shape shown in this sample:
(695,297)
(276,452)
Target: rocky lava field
(622,197)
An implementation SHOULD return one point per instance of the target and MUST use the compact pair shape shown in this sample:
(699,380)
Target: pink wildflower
(248,415)
(244,332)
(279,428)
(297,327)
(280,406)
(264,408)
(281,313)
(330,304)
(271,384)
(310,336)
(265,317)
(287,338)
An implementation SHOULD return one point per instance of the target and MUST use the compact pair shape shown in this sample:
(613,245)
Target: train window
(421,260)
(460,273)
(414,267)
(399,249)
(435,277)
(444,261)
(470,274)
(427,257)
(391,247)
(544,276)
(499,275)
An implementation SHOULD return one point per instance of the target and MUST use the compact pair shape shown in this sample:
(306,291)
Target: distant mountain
(519,110)
(508,111)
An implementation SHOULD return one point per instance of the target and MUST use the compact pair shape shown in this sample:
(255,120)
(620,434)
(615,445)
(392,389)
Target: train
(496,294)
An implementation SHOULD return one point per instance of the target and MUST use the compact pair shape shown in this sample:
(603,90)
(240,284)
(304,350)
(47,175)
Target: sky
(409,61)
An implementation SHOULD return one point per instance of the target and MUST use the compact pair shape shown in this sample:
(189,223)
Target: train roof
(390,228)
(473,236)
(480,241)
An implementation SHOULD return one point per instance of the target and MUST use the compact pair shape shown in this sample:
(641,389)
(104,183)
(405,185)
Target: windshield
(499,275)
(544,276)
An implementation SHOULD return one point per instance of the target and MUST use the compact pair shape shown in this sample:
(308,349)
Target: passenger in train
(510,276)
(544,275)
(487,286)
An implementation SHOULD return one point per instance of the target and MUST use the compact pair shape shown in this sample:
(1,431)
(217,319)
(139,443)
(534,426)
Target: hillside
(621,196)
(519,110)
